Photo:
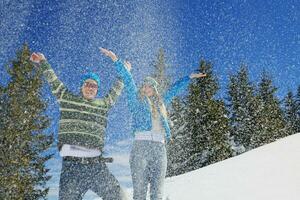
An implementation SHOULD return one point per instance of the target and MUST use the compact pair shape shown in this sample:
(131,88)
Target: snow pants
(77,178)
(148,163)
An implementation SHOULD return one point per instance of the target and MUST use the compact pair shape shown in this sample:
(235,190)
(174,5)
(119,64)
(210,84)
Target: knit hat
(92,76)
(151,82)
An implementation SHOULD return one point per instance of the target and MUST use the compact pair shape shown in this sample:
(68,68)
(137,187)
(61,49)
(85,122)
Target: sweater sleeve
(130,86)
(113,94)
(175,89)
(57,87)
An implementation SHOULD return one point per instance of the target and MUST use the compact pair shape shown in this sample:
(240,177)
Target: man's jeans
(148,163)
(77,178)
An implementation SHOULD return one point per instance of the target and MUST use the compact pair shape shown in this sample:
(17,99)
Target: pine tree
(207,122)
(23,144)
(3,109)
(3,114)
(298,110)
(242,106)
(269,114)
(160,71)
(290,113)
(178,150)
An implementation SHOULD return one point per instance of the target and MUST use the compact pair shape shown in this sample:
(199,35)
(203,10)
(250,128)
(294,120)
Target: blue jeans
(77,178)
(148,163)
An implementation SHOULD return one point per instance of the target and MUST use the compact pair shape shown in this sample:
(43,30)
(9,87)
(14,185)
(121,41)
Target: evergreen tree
(3,114)
(160,71)
(178,150)
(23,144)
(290,111)
(242,106)
(269,114)
(298,110)
(207,122)
(3,108)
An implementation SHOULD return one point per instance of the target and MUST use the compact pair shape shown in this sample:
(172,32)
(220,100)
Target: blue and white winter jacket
(140,108)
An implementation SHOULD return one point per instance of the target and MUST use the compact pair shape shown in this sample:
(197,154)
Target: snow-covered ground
(268,172)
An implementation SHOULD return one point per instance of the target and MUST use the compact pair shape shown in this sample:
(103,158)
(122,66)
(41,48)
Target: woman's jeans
(148,163)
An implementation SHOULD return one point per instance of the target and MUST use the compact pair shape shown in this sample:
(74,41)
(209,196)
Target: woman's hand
(127,65)
(198,75)
(37,57)
(110,54)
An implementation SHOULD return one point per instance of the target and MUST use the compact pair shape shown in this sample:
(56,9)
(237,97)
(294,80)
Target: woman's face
(148,90)
(89,89)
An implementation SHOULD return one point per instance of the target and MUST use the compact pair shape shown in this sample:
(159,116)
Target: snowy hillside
(268,172)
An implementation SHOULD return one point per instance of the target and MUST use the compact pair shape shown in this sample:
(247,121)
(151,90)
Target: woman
(148,158)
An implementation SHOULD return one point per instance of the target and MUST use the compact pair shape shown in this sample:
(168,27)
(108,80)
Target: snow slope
(269,172)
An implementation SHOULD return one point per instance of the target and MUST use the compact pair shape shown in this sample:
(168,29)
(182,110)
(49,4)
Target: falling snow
(263,36)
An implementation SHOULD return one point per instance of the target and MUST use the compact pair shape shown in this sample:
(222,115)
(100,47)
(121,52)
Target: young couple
(83,119)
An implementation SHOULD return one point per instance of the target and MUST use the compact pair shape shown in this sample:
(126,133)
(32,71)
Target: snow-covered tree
(3,108)
(269,114)
(178,148)
(160,71)
(242,106)
(24,144)
(290,113)
(207,122)
(298,110)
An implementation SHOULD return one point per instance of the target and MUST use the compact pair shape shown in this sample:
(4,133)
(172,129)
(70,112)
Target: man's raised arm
(57,87)
(113,94)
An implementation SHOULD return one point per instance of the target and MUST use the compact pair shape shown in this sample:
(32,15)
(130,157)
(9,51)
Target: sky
(264,35)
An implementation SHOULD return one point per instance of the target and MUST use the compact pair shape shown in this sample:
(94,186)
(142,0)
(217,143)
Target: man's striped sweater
(82,122)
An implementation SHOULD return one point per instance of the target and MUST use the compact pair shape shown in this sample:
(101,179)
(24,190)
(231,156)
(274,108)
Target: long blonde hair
(161,105)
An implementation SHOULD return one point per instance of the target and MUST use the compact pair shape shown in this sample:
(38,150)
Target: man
(83,119)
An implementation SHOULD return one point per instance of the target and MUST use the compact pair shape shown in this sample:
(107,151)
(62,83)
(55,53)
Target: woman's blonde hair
(161,105)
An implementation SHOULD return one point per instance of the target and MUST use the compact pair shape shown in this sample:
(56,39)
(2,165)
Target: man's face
(89,89)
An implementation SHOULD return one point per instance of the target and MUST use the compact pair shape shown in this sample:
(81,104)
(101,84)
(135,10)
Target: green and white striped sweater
(82,122)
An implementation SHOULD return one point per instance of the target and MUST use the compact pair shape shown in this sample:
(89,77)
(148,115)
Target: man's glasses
(91,85)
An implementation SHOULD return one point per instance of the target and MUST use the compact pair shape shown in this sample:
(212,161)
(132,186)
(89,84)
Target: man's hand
(37,57)
(199,75)
(110,54)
